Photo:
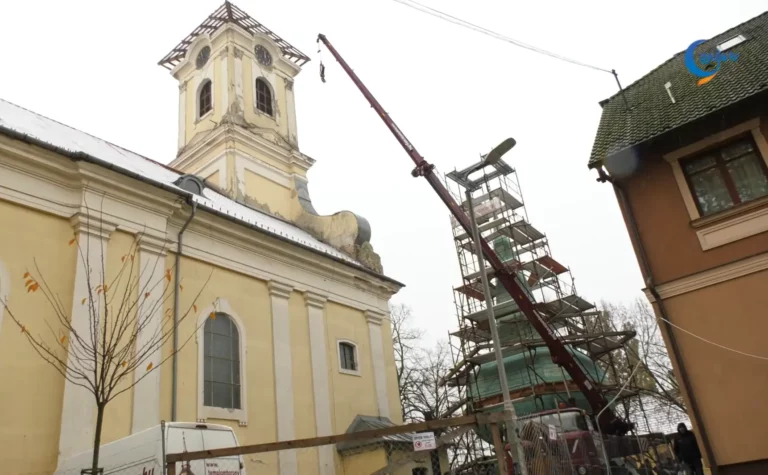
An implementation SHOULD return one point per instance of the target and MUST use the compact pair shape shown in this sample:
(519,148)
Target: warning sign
(424,441)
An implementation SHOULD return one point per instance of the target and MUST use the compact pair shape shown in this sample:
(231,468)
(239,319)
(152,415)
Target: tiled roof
(15,120)
(652,113)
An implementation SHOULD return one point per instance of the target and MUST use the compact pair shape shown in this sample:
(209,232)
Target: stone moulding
(346,231)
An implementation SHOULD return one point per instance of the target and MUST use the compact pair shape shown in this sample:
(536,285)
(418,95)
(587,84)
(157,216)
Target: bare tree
(122,332)
(419,371)
(405,339)
(654,383)
(426,395)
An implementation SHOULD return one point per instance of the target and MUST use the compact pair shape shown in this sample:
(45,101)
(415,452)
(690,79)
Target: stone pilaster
(377,357)
(182,115)
(281,343)
(146,394)
(321,391)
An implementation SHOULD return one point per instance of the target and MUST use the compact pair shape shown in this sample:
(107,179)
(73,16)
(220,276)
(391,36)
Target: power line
(493,34)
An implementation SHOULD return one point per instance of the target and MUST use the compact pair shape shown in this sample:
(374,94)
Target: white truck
(144,453)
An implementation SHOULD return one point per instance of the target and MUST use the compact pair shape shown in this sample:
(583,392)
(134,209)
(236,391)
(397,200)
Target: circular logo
(692,66)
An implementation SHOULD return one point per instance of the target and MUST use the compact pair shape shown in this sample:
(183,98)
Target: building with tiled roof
(685,149)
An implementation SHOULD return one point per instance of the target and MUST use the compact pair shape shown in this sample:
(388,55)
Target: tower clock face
(202,57)
(263,56)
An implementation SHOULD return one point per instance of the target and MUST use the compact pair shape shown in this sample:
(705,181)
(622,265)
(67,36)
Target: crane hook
(322,66)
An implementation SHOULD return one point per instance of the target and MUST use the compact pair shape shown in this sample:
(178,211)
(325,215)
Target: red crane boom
(608,421)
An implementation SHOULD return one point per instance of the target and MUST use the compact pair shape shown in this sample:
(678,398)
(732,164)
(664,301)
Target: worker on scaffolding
(687,450)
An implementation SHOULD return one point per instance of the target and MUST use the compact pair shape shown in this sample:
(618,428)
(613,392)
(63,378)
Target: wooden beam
(335,439)
(499,449)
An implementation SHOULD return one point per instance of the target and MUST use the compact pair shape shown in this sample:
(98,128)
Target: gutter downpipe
(176,309)
(632,224)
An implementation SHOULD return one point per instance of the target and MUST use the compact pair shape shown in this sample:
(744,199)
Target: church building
(300,345)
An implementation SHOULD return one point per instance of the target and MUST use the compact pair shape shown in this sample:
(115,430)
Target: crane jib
(608,421)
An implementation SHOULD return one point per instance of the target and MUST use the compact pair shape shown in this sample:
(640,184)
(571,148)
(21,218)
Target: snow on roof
(54,133)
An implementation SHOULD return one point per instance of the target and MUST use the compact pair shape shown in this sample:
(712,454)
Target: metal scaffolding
(503,221)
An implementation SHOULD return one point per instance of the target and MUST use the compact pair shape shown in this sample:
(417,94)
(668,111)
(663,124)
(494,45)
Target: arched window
(204,98)
(348,360)
(264,97)
(221,387)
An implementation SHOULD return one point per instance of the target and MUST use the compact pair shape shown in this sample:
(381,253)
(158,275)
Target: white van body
(144,453)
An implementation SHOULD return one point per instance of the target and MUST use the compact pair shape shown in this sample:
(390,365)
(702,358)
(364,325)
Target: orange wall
(730,388)
(670,242)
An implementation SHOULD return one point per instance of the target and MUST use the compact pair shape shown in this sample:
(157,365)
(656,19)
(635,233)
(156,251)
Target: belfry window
(204,99)
(264,97)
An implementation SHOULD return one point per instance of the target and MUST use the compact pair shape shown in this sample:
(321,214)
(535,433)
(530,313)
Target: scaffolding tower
(535,383)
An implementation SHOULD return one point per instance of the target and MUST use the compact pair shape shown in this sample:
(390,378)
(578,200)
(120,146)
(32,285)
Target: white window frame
(354,346)
(207,412)
(730,225)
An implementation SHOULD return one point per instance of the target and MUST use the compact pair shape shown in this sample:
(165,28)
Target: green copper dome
(484,383)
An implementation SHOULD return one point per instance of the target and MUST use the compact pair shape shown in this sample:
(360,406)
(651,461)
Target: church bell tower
(237,125)
(237,118)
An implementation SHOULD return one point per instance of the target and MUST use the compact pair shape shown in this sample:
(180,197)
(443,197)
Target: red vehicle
(582,441)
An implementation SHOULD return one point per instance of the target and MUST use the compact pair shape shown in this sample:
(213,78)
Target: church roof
(229,13)
(23,124)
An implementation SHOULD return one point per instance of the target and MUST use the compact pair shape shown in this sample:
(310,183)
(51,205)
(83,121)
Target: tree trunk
(97,438)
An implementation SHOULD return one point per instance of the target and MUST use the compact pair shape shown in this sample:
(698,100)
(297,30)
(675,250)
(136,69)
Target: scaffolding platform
(568,303)
(501,194)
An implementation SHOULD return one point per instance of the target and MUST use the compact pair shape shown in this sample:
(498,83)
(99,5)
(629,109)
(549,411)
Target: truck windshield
(569,421)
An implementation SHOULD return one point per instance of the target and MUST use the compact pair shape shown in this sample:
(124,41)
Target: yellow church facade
(302,298)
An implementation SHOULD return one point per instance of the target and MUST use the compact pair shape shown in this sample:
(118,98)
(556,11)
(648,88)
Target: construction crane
(608,421)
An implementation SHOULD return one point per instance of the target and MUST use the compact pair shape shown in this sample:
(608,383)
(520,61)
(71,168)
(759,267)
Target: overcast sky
(454,92)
